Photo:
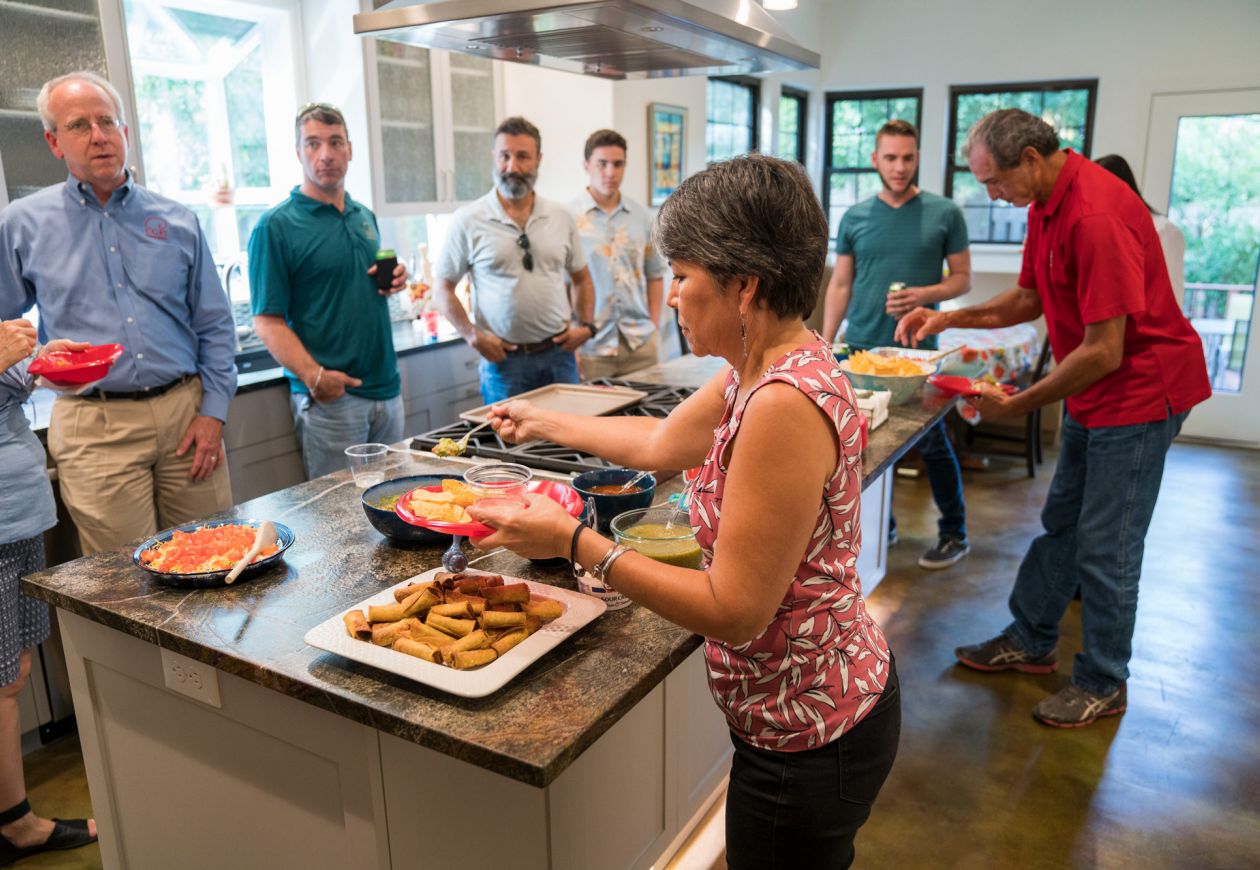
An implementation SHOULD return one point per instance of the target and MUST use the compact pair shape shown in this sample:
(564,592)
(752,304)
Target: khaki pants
(626,360)
(120,478)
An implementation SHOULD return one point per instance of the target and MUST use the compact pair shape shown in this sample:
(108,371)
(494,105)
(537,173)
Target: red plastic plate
(567,496)
(77,367)
(957,385)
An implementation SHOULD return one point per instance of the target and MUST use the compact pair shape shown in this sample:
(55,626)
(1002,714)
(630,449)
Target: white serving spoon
(263,538)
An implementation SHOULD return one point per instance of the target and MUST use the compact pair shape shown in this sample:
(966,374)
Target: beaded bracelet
(315,386)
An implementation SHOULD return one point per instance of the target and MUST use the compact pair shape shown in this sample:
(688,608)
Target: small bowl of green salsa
(660,533)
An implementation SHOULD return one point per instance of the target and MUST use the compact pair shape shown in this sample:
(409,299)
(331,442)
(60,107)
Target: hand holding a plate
(994,403)
(17,340)
(540,531)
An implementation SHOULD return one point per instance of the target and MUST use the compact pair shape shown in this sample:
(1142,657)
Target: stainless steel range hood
(614,39)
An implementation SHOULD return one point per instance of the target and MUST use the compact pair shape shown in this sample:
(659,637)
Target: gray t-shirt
(508,300)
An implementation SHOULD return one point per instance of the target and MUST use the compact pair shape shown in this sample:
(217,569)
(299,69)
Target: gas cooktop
(660,400)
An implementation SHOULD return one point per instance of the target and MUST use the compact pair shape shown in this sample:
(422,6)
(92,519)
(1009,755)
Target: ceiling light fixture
(778,5)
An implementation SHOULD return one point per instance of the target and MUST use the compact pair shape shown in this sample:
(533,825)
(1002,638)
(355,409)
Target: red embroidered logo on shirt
(155,228)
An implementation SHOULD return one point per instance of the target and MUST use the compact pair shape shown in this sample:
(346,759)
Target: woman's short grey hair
(753,215)
(41,102)
(1007,132)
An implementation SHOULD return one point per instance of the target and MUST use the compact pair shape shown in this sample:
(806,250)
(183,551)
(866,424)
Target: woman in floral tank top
(799,668)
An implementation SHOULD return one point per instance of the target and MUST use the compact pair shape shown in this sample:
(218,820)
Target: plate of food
(200,555)
(468,633)
(442,507)
(73,368)
(957,385)
(900,375)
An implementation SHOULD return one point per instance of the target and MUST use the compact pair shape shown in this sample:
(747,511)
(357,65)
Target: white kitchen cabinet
(433,115)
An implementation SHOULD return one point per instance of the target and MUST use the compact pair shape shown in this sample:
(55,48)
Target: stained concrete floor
(1174,783)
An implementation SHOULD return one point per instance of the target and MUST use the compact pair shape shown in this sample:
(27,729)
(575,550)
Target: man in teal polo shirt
(901,236)
(316,306)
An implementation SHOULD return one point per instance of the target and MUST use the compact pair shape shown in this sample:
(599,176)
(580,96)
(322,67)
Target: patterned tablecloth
(1005,353)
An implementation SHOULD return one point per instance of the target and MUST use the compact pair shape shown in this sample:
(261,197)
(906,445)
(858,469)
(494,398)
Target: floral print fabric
(821,664)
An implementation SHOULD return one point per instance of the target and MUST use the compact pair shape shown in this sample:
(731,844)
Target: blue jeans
(521,371)
(1096,516)
(325,429)
(945,479)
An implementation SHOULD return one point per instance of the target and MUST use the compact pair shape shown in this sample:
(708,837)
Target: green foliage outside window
(246,125)
(730,113)
(1215,198)
(173,122)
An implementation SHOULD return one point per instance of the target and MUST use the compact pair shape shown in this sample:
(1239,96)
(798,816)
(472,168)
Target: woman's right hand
(517,421)
(17,340)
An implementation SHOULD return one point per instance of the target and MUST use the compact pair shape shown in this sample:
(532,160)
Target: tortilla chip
(460,492)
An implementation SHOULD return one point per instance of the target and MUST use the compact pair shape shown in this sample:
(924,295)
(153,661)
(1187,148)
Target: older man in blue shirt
(628,275)
(107,261)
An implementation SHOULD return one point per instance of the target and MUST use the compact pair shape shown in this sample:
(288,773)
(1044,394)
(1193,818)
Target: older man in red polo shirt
(1130,367)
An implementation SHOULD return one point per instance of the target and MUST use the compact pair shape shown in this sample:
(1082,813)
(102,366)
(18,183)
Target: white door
(1202,169)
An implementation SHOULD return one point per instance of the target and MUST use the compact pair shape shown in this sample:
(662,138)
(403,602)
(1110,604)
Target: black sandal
(66,834)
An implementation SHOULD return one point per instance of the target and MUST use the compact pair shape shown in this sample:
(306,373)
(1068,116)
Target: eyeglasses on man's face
(522,242)
(83,127)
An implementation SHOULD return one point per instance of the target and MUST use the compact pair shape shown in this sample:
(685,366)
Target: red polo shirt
(1092,254)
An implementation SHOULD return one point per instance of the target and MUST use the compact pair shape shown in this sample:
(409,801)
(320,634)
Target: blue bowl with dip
(599,488)
(378,503)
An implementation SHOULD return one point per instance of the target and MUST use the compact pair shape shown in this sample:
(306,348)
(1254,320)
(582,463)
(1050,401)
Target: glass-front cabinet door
(405,123)
(39,40)
(434,115)
(472,124)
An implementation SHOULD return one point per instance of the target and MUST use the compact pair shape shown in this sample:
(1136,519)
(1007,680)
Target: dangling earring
(743,336)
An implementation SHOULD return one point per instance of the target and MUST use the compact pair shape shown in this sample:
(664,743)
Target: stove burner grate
(660,400)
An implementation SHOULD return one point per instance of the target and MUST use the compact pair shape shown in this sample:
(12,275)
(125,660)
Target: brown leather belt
(534,346)
(150,393)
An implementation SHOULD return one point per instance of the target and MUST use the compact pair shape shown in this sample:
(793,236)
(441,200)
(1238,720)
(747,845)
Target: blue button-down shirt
(618,248)
(135,272)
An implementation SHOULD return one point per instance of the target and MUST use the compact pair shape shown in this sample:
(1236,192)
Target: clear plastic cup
(499,484)
(367,463)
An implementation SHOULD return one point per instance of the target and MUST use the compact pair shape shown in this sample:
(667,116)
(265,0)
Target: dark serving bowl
(392,526)
(607,506)
(284,539)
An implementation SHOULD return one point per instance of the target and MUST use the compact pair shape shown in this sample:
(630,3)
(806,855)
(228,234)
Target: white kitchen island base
(264,780)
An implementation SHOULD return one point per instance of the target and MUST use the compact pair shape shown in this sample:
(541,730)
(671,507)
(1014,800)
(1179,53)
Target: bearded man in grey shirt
(517,248)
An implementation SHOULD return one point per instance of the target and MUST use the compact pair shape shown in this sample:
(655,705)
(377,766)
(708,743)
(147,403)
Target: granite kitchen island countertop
(531,730)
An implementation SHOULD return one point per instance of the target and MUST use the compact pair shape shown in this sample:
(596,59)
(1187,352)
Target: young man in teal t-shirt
(316,305)
(901,236)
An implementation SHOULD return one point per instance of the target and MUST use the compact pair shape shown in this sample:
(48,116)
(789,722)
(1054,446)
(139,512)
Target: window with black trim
(852,120)
(793,105)
(1068,106)
(730,117)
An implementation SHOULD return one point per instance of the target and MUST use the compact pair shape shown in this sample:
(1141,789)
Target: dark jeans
(797,810)
(1096,516)
(527,371)
(945,478)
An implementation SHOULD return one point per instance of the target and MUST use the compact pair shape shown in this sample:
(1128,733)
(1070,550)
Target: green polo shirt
(907,244)
(308,263)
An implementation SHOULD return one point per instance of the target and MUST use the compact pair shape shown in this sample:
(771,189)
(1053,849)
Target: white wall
(334,74)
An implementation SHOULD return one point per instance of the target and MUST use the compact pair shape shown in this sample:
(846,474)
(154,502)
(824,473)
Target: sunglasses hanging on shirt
(523,243)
